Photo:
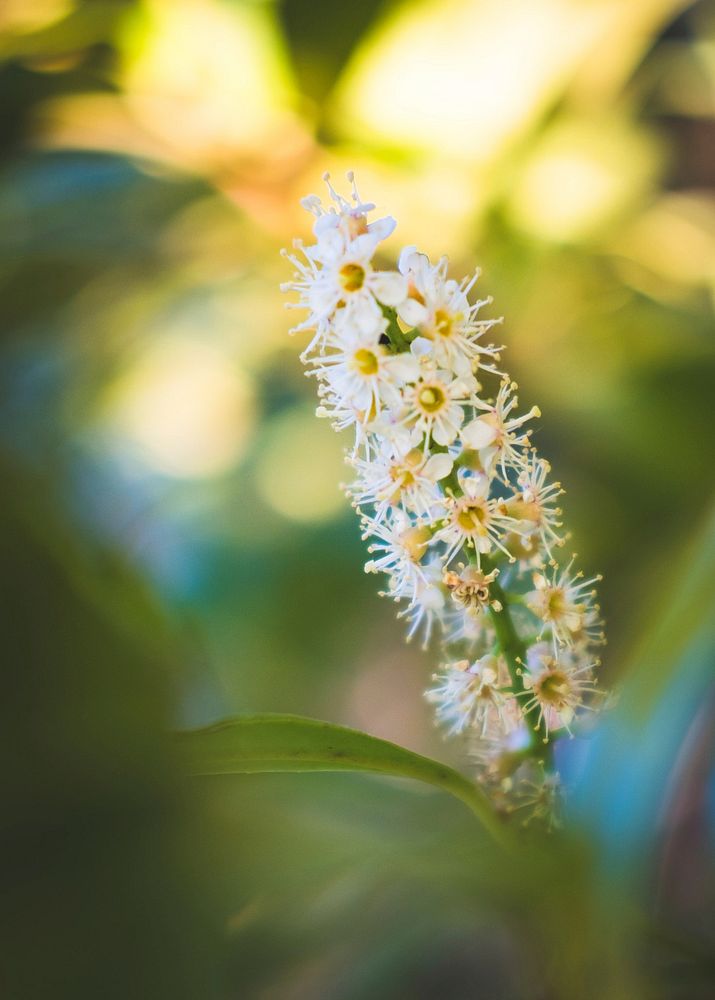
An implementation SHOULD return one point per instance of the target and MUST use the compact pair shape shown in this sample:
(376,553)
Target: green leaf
(630,764)
(250,744)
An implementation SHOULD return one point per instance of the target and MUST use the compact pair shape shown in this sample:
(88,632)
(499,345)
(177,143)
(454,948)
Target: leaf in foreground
(250,744)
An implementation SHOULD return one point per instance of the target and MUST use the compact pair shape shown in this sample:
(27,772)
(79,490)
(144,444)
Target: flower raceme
(460,511)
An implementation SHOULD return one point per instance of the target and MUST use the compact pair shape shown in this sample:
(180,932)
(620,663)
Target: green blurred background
(175,546)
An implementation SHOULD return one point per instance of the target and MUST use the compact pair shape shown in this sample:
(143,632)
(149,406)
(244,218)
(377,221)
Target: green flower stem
(513,649)
(397,338)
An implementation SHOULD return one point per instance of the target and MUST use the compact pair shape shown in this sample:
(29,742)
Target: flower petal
(405,258)
(446,428)
(412,312)
(478,434)
(329,248)
(475,484)
(437,467)
(403,366)
(363,247)
(382,228)
(389,287)
(366,315)
(421,347)
(325,223)
(460,364)
(323,298)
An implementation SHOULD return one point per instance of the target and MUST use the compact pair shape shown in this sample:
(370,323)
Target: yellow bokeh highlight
(32,15)
(184,408)
(212,68)
(202,86)
(463,79)
(299,466)
(673,246)
(581,177)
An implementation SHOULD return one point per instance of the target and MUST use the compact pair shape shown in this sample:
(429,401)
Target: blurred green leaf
(88,24)
(640,750)
(274,742)
(682,599)
(92,808)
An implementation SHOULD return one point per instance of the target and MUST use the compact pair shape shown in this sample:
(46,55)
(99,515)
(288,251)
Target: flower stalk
(459,509)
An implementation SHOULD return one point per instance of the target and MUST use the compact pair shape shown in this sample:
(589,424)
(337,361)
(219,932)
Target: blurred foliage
(176,549)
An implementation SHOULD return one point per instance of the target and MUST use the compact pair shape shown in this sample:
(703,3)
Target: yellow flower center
(402,473)
(402,477)
(523,511)
(352,277)
(486,691)
(557,606)
(365,361)
(472,517)
(415,541)
(443,323)
(431,398)
(553,689)
(556,603)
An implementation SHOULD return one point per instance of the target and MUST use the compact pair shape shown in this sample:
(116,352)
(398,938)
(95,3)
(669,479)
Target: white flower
(343,415)
(336,272)
(473,519)
(349,219)
(538,795)
(418,415)
(390,479)
(427,602)
(497,755)
(469,588)
(460,625)
(439,308)
(556,687)
(435,405)
(388,429)
(346,278)
(400,543)
(473,695)
(497,437)
(566,603)
(360,372)
(534,506)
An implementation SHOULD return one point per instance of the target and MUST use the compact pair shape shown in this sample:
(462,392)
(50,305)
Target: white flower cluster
(461,513)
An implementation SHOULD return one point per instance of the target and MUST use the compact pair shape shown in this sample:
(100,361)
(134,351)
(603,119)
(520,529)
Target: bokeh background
(175,546)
